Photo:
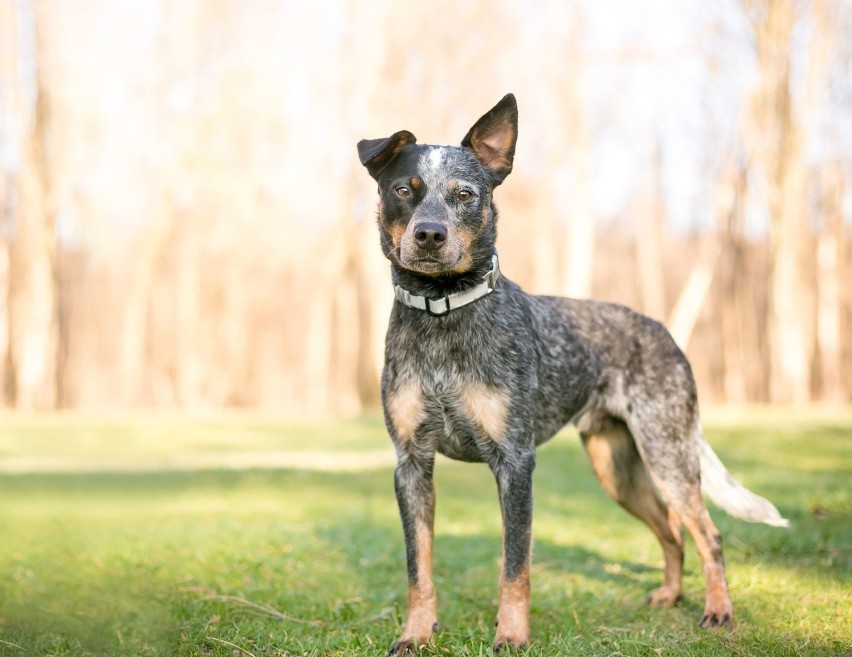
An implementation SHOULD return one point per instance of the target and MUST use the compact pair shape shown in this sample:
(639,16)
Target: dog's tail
(730,495)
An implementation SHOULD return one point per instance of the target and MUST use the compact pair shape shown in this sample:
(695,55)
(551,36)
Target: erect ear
(375,154)
(493,138)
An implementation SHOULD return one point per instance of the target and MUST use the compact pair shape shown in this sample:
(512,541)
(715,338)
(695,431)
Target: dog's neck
(438,295)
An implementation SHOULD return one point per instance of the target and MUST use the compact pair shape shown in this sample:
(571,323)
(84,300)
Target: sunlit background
(185,224)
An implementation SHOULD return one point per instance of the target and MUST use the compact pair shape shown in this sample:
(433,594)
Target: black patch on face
(447,189)
(444,186)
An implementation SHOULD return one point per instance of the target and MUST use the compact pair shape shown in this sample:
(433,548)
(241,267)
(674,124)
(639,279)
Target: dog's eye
(403,192)
(464,195)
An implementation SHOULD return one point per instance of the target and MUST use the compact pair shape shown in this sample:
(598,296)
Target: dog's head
(435,211)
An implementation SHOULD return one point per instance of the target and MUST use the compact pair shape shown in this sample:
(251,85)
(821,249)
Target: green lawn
(140,536)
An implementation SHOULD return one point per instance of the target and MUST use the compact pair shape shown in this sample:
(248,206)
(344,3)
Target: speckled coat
(491,380)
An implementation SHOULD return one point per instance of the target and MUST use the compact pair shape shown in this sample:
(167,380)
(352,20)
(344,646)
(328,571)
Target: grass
(124,537)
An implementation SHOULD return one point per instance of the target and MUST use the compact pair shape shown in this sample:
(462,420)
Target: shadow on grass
(608,594)
(100,613)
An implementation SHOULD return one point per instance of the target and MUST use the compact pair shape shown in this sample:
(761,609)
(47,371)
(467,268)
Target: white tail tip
(730,495)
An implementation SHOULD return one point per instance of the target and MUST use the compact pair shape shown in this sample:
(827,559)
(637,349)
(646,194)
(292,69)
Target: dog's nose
(430,235)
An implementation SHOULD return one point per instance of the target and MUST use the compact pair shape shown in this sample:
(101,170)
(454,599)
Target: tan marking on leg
(647,506)
(624,476)
(405,407)
(670,536)
(487,407)
(422,616)
(718,610)
(513,614)
(599,449)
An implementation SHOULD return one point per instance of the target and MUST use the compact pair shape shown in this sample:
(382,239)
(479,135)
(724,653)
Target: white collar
(445,304)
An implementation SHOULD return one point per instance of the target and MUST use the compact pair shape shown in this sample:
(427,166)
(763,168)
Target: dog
(480,371)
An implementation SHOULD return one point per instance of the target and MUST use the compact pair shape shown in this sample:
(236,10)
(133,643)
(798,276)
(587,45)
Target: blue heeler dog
(480,371)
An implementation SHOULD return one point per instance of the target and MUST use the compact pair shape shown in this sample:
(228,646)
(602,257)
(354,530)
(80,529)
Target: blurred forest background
(184,222)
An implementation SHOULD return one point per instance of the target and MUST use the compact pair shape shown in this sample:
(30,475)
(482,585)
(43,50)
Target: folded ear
(376,154)
(493,138)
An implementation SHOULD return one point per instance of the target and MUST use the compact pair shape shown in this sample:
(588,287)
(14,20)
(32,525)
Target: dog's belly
(459,451)
(460,443)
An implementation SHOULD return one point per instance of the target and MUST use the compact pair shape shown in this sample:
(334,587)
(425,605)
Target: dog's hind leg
(671,458)
(620,470)
(718,610)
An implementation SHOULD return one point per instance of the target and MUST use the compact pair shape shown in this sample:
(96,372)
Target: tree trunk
(830,262)
(831,278)
(779,149)
(32,296)
(5,370)
(649,242)
(363,315)
(691,300)
(347,340)
(543,253)
(732,294)
(581,221)
(318,332)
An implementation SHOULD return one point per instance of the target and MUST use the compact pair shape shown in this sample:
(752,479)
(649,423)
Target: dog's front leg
(514,484)
(415,495)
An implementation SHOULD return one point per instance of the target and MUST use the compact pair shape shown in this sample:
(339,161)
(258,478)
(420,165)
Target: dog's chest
(462,382)
(456,394)
(465,416)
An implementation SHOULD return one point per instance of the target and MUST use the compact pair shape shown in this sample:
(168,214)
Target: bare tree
(778,147)
(832,278)
(223,248)
(649,241)
(830,250)
(581,221)
(361,312)
(32,297)
(733,294)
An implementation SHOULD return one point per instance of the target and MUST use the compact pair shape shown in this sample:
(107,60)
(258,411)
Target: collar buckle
(432,306)
(492,274)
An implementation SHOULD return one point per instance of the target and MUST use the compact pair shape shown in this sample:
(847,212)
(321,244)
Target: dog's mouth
(429,265)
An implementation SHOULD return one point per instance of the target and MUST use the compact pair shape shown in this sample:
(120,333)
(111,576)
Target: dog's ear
(376,154)
(493,138)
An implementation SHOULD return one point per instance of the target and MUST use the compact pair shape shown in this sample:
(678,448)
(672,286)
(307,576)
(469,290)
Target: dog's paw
(504,645)
(409,645)
(403,647)
(712,620)
(663,597)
